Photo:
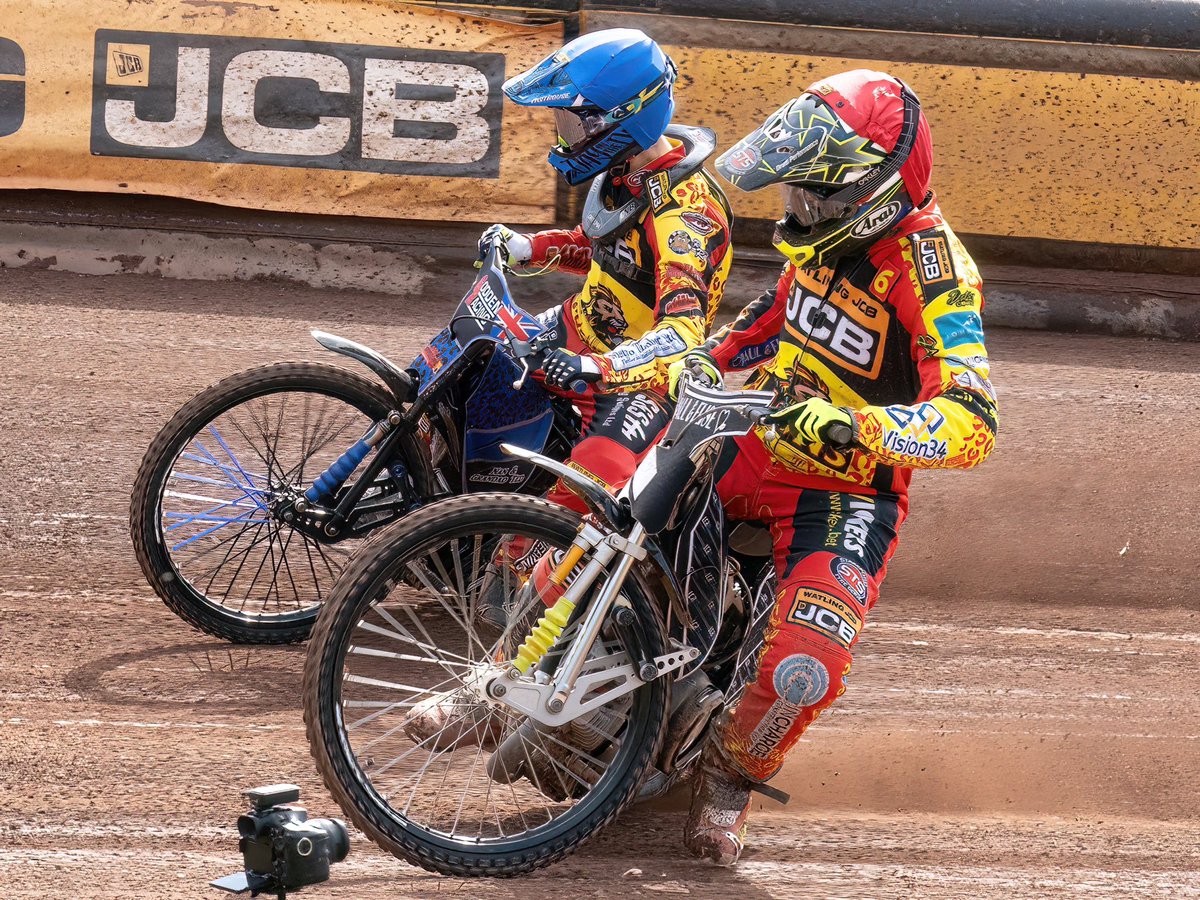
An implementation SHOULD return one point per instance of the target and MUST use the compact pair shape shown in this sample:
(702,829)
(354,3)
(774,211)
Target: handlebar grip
(839,435)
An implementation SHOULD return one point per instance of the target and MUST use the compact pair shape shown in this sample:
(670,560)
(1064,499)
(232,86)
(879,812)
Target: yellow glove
(815,421)
(694,361)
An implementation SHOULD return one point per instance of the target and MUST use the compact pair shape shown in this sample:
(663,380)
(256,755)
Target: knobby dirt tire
(364,579)
(149,546)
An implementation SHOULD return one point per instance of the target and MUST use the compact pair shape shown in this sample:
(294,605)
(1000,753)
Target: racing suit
(650,295)
(894,336)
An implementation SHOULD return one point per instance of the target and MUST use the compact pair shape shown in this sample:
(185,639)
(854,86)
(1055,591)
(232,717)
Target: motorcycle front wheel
(484,791)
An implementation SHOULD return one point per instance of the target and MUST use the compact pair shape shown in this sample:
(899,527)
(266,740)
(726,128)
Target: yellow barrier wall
(1104,159)
(344,107)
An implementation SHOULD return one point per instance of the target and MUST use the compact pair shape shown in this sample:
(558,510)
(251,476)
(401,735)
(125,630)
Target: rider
(654,243)
(875,326)
(653,247)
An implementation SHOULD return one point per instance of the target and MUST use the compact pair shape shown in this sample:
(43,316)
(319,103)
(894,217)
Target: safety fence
(1065,131)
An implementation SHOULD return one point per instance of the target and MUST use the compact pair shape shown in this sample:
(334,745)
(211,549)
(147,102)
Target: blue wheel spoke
(212,429)
(208,531)
(200,479)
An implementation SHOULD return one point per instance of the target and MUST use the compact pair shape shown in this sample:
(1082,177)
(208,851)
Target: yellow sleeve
(691,259)
(953,424)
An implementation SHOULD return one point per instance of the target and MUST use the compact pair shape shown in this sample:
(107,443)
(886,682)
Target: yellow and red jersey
(652,292)
(895,336)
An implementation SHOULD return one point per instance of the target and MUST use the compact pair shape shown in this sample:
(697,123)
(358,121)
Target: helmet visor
(807,208)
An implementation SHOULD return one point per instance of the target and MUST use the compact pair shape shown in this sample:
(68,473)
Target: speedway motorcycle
(249,501)
(624,633)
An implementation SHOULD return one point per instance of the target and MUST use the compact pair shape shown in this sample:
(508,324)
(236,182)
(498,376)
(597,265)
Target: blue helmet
(611,96)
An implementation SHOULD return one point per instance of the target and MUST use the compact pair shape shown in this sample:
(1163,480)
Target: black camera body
(282,848)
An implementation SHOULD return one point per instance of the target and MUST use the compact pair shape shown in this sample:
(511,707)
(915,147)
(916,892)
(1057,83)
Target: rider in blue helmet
(653,252)
(653,246)
(611,96)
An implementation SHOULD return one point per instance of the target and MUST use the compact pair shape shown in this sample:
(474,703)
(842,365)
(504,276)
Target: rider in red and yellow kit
(653,246)
(873,334)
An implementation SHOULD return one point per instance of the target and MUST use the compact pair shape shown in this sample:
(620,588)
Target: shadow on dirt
(238,678)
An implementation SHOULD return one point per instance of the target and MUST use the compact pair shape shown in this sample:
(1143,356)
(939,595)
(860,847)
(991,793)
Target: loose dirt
(1022,719)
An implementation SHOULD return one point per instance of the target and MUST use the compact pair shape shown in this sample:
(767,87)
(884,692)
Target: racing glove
(563,369)
(694,361)
(515,248)
(815,421)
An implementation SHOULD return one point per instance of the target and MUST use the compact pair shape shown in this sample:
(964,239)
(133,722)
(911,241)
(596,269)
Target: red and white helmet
(853,155)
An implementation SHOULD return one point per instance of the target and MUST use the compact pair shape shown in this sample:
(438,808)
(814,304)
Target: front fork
(545,698)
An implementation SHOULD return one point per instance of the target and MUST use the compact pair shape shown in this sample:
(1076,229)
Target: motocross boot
(516,562)
(452,720)
(716,822)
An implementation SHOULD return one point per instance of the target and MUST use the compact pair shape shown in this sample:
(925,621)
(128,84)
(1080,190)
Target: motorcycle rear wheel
(374,648)
(199,519)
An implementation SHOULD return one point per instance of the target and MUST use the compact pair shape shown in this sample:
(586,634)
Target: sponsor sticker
(743,159)
(935,270)
(850,336)
(960,298)
(682,242)
(800,679)
(973,381)
(699,223)
(659,188)
(826,614)
(773,727)
(875,222)
(851,576)
(632,354)
(921,421)
(959,328)
(682,305)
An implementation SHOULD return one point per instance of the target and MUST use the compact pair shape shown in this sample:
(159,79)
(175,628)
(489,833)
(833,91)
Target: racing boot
(716,823)
(506,586)
(452,720)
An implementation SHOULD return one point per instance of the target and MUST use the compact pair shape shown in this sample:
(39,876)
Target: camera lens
(339,837)
(247,826)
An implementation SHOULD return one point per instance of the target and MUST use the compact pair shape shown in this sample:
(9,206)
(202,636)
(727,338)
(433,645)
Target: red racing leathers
(895,336)
(650,295)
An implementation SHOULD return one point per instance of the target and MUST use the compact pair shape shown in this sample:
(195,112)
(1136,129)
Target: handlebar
(838,435)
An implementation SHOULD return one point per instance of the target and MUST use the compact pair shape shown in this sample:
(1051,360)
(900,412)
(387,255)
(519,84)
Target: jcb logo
(930,264)
(296,103)
(851,339)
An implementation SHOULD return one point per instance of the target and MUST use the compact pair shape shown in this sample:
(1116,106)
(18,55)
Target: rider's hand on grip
(699,363)
(570,371)
(515,248)
(815,421)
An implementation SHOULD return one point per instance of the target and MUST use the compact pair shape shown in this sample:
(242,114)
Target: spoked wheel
(203,513)
(409,746)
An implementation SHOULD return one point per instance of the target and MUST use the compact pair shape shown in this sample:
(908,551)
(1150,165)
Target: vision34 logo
(212,98)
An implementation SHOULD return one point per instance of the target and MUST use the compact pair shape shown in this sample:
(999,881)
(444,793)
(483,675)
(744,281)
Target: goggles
(578,125)
(809,208)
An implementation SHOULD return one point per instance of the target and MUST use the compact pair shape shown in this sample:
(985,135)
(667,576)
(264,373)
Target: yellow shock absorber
(549,626)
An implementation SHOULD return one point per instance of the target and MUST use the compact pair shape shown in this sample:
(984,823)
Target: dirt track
(1023,717)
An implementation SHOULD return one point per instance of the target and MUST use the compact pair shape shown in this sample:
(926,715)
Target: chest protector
(604,221)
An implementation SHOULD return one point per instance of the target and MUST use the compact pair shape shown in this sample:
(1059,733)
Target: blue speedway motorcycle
(251,499)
